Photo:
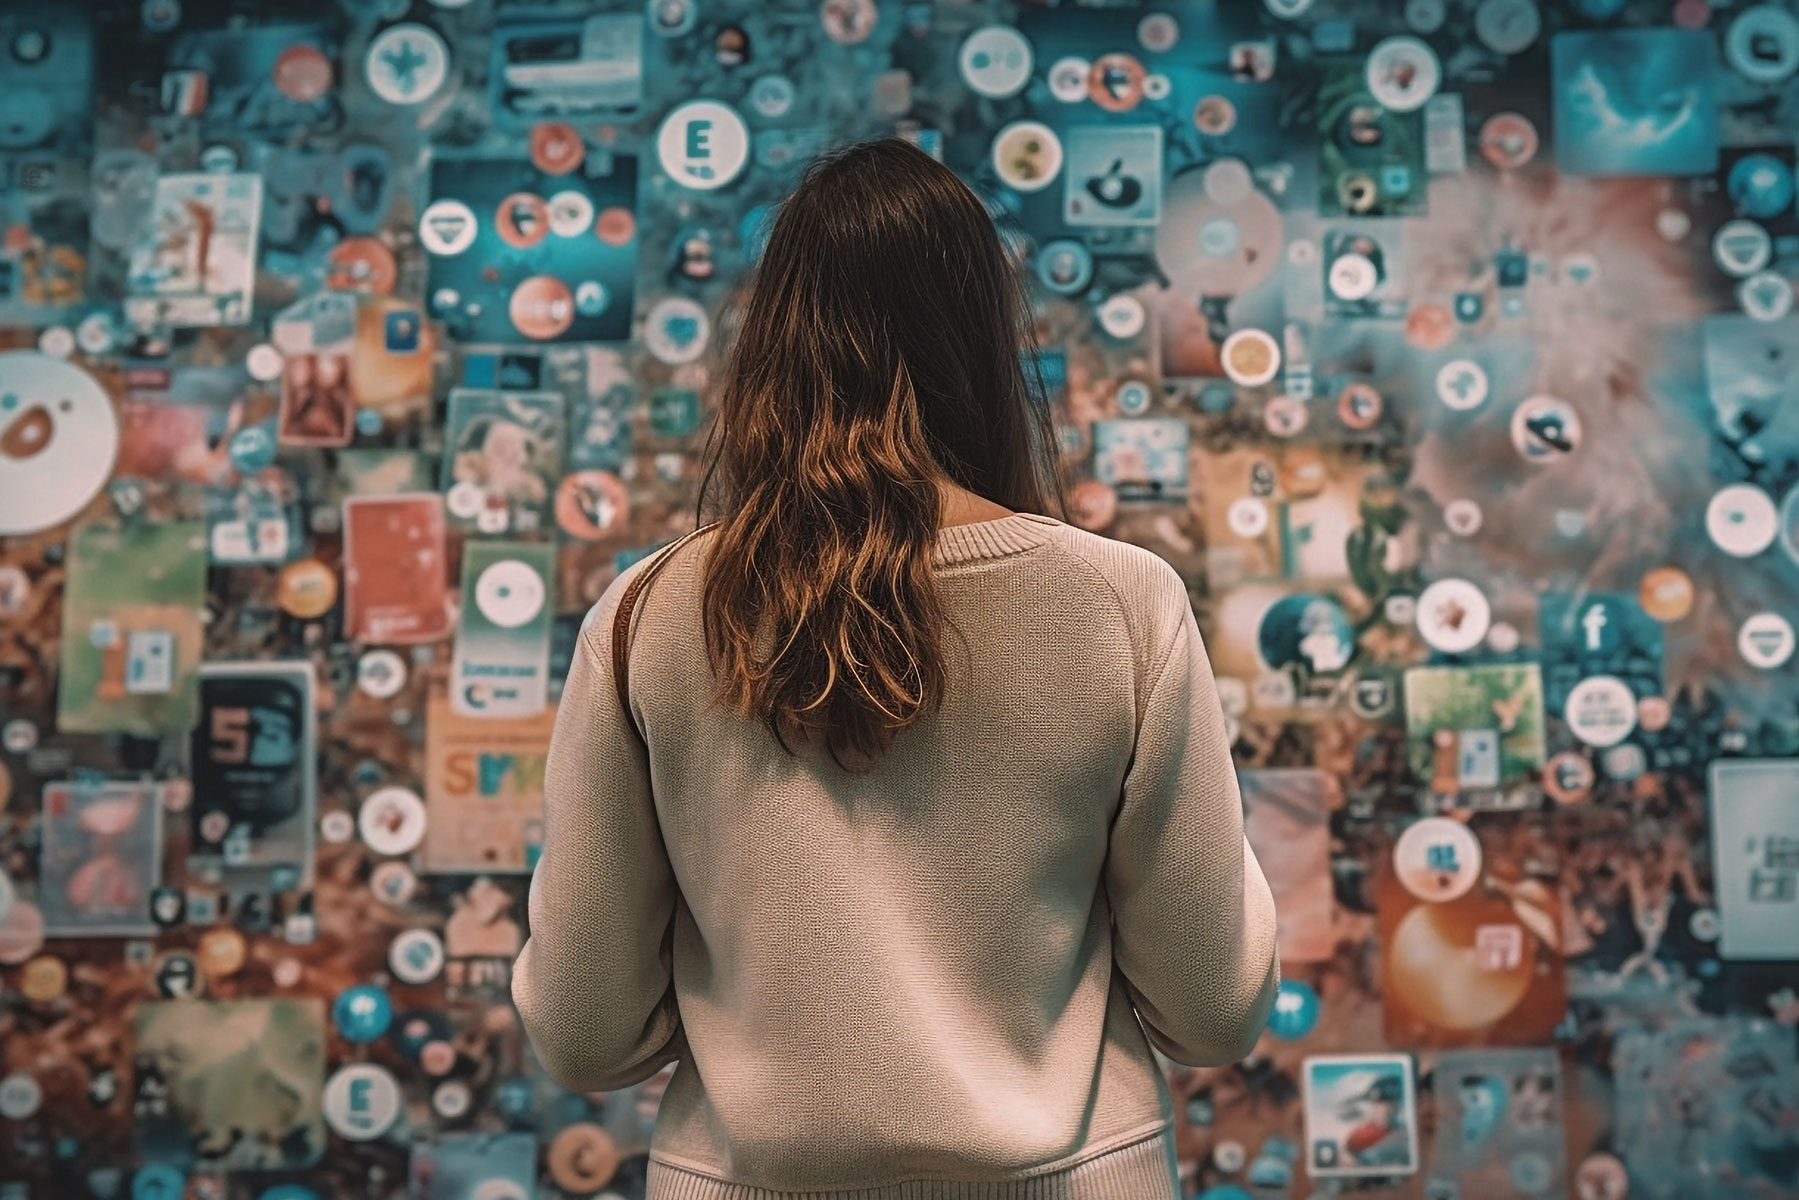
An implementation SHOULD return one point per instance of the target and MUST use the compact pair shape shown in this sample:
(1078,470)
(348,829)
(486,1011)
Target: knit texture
(941,979)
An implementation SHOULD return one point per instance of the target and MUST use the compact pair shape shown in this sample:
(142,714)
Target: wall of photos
(349,349)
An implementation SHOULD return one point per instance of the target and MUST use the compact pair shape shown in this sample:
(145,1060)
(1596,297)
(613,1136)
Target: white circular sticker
(337,827)
(1507,26)
(361,1101)
(381,674)
(1453,615)
(1742,520)
(58,341)
(416,956)
(676,329)
(465,500)
(1742,247)
(571,214)
(95,334)
(1765,296)
(1251,357)
(1766,640)
(1027,156)
(1248,517)
(392,820)
(509,593)
(20,1095)
(1437,859)
(407,63)
(447,227)
(996,61)
(703,144)
(1462,517)
(1068,79)
(1601,710)
(264,363)
(1122,316)
(1403,73)
(1353,277)
(1763,44)
(59,436)
(1462,384)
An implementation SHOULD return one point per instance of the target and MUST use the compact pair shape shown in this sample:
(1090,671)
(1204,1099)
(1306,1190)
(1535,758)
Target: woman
(946,794)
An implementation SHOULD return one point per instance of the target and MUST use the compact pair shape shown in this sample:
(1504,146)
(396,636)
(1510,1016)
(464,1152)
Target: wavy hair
(882,349)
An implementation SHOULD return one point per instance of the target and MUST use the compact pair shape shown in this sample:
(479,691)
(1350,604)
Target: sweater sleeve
(593,982)
(1193,915)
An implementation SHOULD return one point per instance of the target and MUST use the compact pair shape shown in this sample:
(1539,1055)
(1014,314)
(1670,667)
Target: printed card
(501,665)
(318,397)
(253,757)
(195,263)
(483,790)
(502,458)
(1755,855)
(230,1084)
(131,629)
(394,571)
(1476,733)
(1499,1124)
(1361,1115)
(100,858)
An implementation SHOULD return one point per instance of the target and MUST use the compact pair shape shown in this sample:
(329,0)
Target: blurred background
(349,350)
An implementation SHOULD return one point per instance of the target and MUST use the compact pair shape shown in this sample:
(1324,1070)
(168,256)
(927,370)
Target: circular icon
(306,589)
(1766,640)
(392,820)
(95,333)
(1403,73)
(447,227)
(1425,16)
(672,18)
(1065,266)
(1507,26)
(1544,429)
(1601,1177)
(20,1095)
(1508,140)
(1284,416)
(849,22)
(1741,520)
(1247,517)
(1761,186)
(703,145)
(541,307)
(1430,326)
(1093,504)
(591,505)
(59,436)
(381,674)
(1763,44)
(1705,924)
(407,63)
(1462,517)
(1765,296)
(616,226)
(1115,82)
(1601,710)
(1742,247)
(416,956)
(509,593)
(570,213)
(1156,86)
(1353,277)
(1122,316)
(1437,859)
(582,1158)
(1134,397)
(676,330)
(264,363)
(995,61)
(1665,593)
(772,96)
(522,220)
(1068,79)
(556,147)
(1027,155)
(1250,357)
(1295,1010)
(1453,615)
(361,1101)
(1359,406)
(1568,777)
(1462,384)
(302,72)
(362,264)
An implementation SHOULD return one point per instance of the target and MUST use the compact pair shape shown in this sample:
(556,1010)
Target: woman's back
(911,972)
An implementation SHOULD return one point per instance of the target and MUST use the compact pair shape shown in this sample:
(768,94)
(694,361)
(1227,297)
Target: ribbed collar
(992,539)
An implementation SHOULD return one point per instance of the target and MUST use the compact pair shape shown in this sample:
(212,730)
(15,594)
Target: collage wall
(350,348)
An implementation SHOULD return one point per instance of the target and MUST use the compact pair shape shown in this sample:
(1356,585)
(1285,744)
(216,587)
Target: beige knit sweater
(919,983)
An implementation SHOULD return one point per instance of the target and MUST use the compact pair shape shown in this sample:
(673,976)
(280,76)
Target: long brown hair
(883,346)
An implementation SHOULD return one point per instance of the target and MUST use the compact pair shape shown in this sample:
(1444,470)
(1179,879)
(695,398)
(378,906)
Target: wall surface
(351,349)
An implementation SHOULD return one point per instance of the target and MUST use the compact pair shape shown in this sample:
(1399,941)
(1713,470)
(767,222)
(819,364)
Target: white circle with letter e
(703,144)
